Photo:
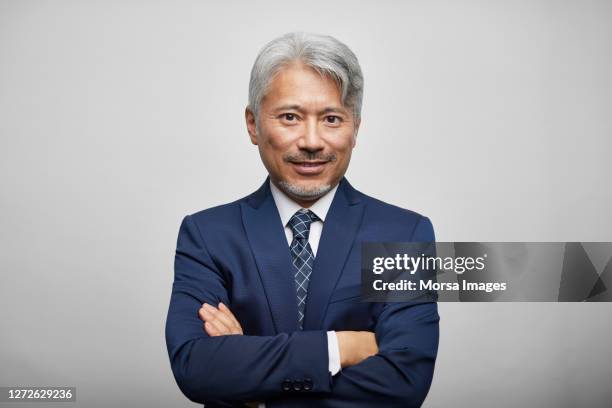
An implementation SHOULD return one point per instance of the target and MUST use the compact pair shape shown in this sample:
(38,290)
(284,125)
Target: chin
(307,190)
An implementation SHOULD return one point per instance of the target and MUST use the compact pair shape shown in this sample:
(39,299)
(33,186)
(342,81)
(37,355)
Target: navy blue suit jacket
(238,254)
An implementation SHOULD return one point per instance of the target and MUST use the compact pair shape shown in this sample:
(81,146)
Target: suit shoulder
(383,216)
(384,209)
(224,214)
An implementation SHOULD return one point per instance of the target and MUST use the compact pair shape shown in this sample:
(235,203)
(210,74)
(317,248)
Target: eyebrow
(334,110)
(288,107)
(330,109)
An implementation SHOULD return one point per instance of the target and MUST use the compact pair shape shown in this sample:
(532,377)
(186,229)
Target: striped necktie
(302,255)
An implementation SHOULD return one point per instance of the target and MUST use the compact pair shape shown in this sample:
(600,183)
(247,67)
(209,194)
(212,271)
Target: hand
(219,321)
(355,346)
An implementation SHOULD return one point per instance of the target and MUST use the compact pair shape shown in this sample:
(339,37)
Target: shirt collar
(287,207)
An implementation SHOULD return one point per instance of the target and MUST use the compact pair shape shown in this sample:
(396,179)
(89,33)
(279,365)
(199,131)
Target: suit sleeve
(235,367)
(401,373)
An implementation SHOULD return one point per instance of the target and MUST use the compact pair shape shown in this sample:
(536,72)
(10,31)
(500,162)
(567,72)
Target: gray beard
(304,193)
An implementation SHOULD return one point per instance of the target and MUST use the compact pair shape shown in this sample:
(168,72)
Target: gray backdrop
(117,118)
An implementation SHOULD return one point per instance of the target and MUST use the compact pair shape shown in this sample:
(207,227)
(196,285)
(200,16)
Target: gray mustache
(310,157)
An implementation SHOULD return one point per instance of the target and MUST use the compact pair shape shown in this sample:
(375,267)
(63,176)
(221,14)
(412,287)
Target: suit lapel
(339,230)
(266,236)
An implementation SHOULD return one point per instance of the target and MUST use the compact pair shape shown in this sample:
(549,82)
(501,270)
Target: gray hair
(323,53)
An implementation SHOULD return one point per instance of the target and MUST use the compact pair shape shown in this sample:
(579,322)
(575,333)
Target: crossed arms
(211,365)
(354,346)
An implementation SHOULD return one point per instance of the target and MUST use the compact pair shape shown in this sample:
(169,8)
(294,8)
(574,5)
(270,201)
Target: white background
(117,118)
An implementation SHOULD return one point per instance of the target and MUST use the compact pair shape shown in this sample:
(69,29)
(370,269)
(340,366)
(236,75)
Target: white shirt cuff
(334,352)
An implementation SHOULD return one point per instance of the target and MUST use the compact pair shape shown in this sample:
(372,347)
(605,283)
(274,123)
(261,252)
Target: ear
(357,124)
(249,116)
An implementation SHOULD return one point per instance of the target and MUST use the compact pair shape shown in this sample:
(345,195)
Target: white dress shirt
(286,208)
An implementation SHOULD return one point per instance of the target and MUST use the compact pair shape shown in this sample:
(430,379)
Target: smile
(308,168)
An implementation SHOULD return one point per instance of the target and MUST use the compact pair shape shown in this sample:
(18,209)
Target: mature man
(265,304)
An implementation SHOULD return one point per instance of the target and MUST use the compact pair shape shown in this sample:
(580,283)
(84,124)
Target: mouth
(308,168)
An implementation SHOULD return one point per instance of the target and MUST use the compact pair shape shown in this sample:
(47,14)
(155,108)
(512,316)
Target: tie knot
(300,223)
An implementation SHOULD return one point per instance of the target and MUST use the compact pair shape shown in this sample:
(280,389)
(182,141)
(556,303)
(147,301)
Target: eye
(333,120)
(289,117)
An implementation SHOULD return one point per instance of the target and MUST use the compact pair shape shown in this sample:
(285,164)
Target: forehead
(301,84)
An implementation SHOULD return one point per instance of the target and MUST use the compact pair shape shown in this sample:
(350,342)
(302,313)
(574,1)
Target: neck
(303,203)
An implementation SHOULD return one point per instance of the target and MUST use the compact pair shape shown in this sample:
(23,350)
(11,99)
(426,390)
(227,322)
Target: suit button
(307,384)
(286,386)
(297,385)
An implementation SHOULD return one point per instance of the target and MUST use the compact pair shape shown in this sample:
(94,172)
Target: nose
(311,139)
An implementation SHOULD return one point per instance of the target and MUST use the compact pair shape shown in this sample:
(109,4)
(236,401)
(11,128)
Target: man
(265,303)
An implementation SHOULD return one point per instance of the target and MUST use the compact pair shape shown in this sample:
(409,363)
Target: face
(305,135)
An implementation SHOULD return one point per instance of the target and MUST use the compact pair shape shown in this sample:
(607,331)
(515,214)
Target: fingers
(230,315)
(218,322)
(212,330)
(227,318)
(214,326)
